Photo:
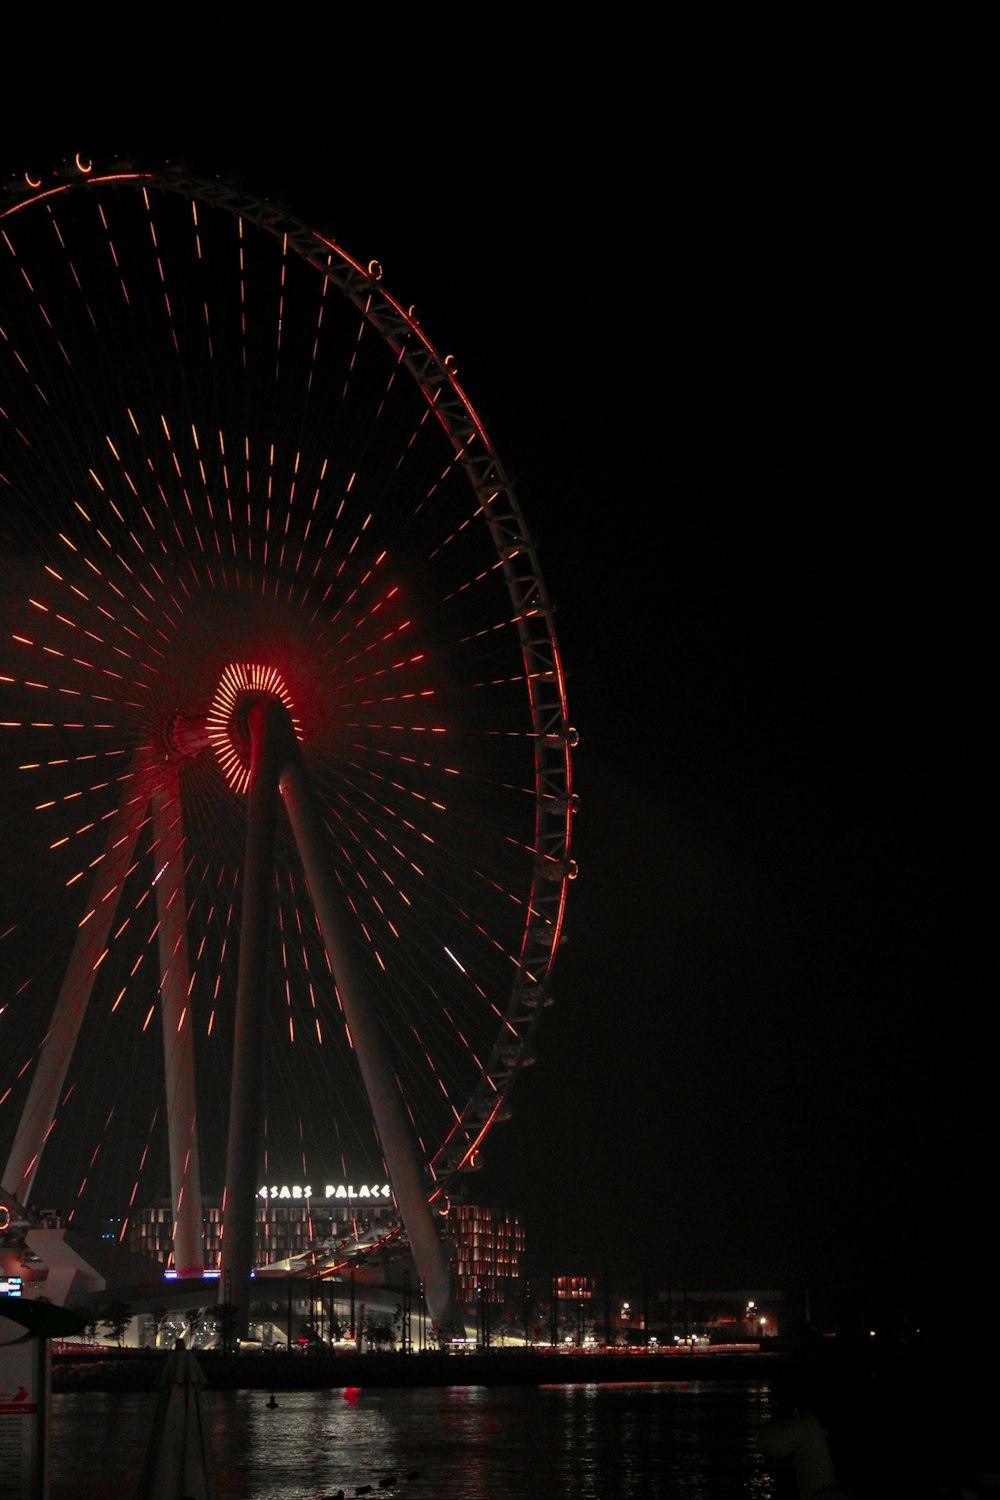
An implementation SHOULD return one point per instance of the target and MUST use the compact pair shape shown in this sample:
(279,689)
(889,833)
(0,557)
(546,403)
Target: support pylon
(178,1029)
(276,761)
(156,784)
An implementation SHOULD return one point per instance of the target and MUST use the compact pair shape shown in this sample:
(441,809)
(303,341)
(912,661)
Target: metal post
(406,1334)
(227,1313)
(645,1309)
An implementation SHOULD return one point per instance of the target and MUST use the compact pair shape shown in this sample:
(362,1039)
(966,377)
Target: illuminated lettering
(342,1191)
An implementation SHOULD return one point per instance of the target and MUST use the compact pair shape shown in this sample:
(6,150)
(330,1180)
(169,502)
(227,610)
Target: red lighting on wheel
(242,682)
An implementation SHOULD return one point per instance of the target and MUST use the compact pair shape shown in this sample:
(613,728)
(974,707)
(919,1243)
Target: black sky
(716,375)
(724,402)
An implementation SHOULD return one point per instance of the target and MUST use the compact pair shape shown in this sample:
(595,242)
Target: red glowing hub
(241,685)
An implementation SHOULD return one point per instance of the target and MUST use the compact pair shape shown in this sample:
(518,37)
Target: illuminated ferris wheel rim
(435,377)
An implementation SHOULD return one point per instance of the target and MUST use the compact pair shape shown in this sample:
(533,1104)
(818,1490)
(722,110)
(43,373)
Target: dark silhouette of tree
(117,1317)
(376,1332)
(157,1319)
(90,1326)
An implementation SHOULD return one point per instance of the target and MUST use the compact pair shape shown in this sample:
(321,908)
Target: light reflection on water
(696,1441)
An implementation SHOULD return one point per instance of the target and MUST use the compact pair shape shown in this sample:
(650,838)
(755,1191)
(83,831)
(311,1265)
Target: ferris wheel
(258,550)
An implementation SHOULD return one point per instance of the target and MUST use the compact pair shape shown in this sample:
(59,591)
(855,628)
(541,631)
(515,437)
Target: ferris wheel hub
(244,687)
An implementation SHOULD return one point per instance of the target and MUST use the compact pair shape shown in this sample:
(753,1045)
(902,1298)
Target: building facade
(293,1223)
(489,1252)
(298,1224)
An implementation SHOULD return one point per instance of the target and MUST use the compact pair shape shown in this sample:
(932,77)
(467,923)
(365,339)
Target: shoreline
(116,1370)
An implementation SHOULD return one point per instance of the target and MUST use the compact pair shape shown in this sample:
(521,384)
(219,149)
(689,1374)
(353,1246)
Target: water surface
(692,1440)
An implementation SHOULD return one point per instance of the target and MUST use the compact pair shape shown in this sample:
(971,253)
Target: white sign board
(24,1375)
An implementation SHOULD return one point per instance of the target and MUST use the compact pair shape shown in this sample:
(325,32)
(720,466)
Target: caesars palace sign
(377,1193)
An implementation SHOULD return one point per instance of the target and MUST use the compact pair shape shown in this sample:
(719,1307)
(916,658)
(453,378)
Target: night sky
(717,378)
